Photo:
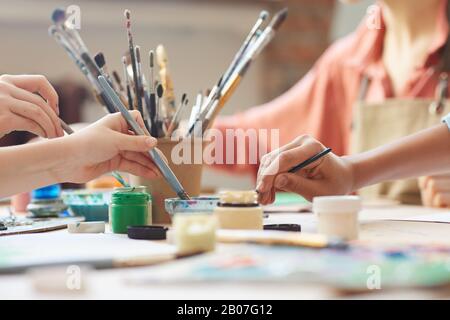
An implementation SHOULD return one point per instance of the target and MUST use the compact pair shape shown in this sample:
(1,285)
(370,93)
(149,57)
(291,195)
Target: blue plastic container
(47,193)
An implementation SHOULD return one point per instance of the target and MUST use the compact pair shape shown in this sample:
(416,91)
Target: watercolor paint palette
(356,269)
(90,204)
(194,205)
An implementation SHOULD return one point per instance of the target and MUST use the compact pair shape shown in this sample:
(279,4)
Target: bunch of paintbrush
(155,99)
(206,110)
(68,37)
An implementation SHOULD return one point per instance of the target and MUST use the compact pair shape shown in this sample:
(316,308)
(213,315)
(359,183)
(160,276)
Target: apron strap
(438,105)
(446,51)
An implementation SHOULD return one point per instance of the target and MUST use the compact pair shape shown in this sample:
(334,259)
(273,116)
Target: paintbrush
(159,112)
(194,112)
(160,163)
(118,81)
(127,84)
(229,86)
(228,89)
(307,162)
(101,63)
(151,78)
(152,96)
(60,20)
(115,174)
(140,77)
(175,119)
(77,48)
(100,60)
(265,37)
(262,17)
(201,110)
(127,14)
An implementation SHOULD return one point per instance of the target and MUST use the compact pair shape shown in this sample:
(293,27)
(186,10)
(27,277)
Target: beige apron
(380,123)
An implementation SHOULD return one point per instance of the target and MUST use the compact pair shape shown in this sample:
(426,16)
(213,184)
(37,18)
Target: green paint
(128,209)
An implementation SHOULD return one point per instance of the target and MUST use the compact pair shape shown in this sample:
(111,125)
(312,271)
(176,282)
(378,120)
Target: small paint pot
(194,233)
(239,210)
(139,189)
(204,205)
(338,216)
(128,209)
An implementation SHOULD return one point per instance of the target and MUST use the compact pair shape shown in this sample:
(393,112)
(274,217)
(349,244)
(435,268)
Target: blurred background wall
(201,38)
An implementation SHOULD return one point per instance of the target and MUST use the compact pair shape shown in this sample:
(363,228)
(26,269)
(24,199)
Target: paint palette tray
(194,205)
(90,204)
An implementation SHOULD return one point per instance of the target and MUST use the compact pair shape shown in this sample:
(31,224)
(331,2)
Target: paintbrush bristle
(279,18)
(160,90)
(138,54)
(52,30)
(127,14)
(58,15)
(183,97)
(263,15)
(152,58)
(100,60)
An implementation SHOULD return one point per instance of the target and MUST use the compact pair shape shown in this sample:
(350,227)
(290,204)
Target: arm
(426,152)
(102,147)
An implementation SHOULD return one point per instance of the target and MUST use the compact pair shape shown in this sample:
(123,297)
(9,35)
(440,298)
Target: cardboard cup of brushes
(185,158)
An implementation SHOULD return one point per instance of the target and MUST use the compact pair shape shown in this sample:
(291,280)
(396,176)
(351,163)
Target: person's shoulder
(341,51)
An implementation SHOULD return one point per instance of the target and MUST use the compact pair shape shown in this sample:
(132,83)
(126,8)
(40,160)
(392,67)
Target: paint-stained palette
(357,269)
(194,205)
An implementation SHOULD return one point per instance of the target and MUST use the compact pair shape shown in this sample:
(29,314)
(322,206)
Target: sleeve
(446,120)
(310,107)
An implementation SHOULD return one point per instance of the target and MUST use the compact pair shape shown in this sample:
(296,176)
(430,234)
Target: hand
(435,191)
(108,145)
(330,175)
(23,110)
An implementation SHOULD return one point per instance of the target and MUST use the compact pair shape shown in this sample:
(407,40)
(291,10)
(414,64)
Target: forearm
(426,152)
(26,167)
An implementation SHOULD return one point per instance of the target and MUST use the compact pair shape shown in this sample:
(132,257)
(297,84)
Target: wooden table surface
(379,224)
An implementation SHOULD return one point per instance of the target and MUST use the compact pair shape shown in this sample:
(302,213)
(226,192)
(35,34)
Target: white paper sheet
(64,247)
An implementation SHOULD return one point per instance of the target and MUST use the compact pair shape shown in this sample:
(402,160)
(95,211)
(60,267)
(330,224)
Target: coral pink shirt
(321,103)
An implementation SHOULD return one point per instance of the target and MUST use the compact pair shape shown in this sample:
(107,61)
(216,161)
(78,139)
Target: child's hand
(23,110)
(330,175)
(435,190)
(108,145)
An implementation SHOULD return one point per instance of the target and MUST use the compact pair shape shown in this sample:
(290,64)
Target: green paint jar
(128,208)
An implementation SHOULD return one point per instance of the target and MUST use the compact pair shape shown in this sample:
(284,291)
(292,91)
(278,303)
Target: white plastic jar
(194,233)
(239,210)
(338,216)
